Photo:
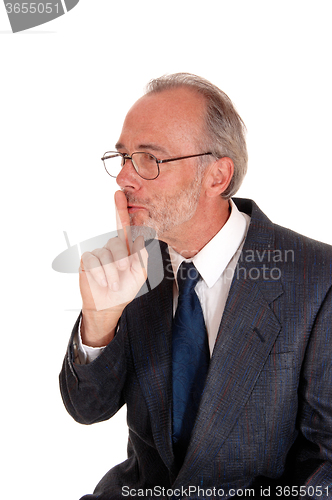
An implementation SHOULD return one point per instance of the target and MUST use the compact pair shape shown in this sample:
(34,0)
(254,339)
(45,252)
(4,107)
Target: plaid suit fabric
(265,418)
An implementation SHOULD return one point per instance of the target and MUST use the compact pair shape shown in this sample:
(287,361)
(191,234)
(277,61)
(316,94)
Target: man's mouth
(134,205)
(135,208)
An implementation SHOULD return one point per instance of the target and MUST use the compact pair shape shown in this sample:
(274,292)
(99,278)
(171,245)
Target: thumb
(140,256)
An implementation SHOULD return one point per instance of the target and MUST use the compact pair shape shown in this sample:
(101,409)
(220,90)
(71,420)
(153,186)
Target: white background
(65,88)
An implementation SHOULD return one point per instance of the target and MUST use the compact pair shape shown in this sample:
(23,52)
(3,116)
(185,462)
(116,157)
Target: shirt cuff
(85,353)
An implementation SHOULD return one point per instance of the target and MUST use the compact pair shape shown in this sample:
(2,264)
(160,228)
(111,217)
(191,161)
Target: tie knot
(187,277)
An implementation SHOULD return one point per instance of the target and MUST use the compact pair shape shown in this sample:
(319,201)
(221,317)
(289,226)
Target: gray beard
(148,233)
(164,213)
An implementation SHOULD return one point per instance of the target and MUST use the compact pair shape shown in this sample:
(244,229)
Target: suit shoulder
(310,257)
(295,250)
(261,223)
(300,242)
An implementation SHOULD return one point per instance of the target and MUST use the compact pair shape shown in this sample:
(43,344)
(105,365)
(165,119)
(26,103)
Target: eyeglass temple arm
(110,156)
(183,157)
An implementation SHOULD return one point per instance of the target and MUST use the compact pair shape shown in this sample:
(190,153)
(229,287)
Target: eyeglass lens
(144,164)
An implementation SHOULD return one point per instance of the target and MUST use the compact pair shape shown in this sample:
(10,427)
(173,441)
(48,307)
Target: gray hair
(225,130)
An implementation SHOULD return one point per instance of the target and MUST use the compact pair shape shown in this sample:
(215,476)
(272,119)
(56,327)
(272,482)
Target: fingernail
(103,282)
(115,286)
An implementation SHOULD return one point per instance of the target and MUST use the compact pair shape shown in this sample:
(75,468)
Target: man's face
(167,125)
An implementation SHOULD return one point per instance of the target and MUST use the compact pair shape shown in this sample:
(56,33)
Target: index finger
(123,219)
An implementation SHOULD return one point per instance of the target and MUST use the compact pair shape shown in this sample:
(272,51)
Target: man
(261,421)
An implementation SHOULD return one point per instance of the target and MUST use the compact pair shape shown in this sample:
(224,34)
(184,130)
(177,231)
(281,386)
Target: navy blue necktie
(190,352)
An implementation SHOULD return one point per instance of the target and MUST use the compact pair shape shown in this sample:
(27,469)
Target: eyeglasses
(145,164)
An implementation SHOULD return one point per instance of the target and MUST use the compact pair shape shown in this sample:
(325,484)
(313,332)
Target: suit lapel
(246,335)
(151,350)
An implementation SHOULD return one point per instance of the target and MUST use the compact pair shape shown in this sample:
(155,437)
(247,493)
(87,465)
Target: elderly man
(225,365)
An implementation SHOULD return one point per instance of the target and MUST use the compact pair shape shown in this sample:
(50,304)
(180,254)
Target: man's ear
(218,176)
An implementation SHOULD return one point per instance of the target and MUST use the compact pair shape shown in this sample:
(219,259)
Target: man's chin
(148,233)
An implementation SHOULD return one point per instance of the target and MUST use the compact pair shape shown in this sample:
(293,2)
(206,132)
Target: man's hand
(110,278)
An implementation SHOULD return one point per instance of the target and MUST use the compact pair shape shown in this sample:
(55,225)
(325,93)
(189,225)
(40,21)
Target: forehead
(170,117)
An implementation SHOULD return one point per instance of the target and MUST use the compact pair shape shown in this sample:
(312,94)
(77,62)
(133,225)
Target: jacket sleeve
(316,406)
(93,392)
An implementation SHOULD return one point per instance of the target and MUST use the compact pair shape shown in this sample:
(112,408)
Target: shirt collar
(214,257)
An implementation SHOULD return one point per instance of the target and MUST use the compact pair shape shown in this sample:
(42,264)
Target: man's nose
(128,177)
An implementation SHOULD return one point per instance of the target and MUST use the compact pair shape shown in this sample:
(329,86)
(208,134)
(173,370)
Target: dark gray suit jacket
(265,418)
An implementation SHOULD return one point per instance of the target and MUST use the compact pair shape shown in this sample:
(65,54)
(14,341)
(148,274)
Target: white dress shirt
(216,264)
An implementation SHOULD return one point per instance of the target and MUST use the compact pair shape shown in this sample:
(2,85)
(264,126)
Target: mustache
(140,201)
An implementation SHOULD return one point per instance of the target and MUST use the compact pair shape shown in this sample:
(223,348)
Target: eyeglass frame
(125,157)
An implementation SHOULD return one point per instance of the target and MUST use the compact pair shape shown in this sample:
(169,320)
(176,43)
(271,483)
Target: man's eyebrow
(145,147)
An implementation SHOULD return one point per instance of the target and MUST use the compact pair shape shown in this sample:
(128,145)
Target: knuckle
(87,259)
(104,254)
(115,245)
(85,255)
(111,242)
